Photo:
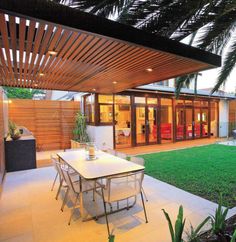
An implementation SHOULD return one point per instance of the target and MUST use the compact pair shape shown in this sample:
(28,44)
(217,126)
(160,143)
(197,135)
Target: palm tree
(177,20)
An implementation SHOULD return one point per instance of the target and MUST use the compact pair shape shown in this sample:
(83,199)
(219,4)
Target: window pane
(105,98)
(179,102)
(139,100)
(214,120)
(123,125)
(197,122)
(152,100)
(122,99)
(166,101)
(166,120)
(188,102)
(204,103)
(140,125)
(197,103)
(106,113)
(89,108)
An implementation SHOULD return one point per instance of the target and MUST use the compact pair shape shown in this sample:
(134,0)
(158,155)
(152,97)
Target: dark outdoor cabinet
(20,154)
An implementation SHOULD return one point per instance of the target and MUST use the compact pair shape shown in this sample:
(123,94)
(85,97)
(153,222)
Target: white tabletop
(105,165)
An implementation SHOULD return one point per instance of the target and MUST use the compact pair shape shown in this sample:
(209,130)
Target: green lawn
(204,171)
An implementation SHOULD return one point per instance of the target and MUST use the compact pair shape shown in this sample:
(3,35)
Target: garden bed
(230,228)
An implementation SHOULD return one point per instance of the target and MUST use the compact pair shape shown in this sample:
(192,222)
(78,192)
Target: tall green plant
(233,239)
(218,220)
(80,133)
(193,235)
(177,232)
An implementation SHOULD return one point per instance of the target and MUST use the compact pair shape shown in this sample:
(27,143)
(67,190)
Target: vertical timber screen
(51,122)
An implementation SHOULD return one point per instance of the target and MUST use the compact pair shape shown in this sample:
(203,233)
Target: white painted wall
(223,118)
(101,135)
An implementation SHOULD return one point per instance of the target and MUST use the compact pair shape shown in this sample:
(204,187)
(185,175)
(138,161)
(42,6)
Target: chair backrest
(121,155)
(111,151)
(137,160)
(57,166)
(67,178)
(124,186)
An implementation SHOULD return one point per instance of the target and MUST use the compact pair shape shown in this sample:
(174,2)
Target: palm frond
(103,8)
(218,32)
(228,65)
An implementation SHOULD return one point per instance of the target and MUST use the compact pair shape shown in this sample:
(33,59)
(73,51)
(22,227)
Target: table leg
(81,200)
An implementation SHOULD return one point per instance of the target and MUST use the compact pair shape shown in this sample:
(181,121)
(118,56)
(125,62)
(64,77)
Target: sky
(208,78)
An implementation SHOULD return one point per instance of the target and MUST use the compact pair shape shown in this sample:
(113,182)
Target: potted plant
(80,133)
(13,131)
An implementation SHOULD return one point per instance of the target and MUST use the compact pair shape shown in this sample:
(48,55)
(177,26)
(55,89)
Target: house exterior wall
(223,118)
(101,135)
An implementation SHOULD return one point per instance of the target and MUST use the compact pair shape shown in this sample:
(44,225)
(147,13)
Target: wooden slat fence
(2,158)
(51,122)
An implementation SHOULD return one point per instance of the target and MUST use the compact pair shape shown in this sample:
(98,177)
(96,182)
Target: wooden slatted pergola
(51,46)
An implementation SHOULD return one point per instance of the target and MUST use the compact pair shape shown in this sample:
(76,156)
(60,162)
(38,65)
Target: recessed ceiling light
(35,84)
(52,52)
(41,74)
(114,82)
(94,89)
(149,69)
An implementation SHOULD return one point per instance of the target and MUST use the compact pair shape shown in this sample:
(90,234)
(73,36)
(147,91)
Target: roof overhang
(91,54)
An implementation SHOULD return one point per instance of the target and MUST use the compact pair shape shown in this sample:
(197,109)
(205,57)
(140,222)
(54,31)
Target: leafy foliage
(193,235)
(80,133)
(176,232)
(13,131)
(22,93)
(218,220)
(233,239)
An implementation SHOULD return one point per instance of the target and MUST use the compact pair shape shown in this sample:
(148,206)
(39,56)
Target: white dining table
(105,165)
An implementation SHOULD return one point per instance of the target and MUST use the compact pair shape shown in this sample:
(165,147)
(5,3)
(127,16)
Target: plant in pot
(80,133)
(13,131)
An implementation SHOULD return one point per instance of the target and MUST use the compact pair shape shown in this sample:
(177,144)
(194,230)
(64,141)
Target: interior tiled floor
(29,212)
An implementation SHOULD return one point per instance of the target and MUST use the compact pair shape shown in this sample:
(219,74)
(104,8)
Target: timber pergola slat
(91,54)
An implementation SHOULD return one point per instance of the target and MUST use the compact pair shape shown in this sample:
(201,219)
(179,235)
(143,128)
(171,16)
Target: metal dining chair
(119,188)
(74,190)
(53,159)
(139,161)
(121,155)
(62,184)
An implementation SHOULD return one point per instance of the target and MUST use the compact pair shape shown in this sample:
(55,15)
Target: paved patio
(29,212)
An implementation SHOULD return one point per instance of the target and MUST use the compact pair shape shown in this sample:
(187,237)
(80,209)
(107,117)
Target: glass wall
(105,106)
(214,119)
(166,120)
(122,121)
(154,117)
